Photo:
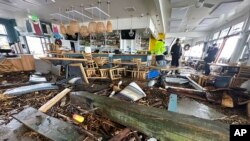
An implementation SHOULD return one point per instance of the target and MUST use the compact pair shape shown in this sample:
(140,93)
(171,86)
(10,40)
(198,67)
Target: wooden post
(154,122)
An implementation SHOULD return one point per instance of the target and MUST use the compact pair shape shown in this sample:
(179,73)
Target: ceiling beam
(187,34)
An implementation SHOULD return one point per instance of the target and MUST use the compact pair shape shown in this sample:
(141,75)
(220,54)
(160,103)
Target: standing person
(210,57)
(176,52)
(159,51)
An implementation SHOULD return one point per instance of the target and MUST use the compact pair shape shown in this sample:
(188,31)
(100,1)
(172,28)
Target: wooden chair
(101,61)
(136,60)
(114,74)
(117,62)
(90,63)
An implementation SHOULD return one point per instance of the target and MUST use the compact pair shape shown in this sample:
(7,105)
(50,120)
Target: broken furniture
(116,73)
(64,62)
(132,92)
(153,122)
(77,70)
(5,66)
(90,63)
(226,69)
(24,62)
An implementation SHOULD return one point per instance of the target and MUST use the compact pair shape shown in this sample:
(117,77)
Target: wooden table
(63,61)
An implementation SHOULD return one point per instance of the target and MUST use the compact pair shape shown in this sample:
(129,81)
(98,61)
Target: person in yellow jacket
(159,50)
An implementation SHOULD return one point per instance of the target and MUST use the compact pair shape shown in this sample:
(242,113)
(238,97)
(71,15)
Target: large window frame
(4,37)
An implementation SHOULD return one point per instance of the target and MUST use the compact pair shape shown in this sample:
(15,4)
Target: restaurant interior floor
(99,125)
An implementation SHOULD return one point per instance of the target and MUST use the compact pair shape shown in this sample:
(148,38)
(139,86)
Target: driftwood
(154,122)
(196,94)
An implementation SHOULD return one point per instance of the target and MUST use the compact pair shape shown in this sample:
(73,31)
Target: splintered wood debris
(95,125)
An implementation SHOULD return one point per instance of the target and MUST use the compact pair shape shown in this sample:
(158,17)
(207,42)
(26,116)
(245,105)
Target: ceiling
(169,16)
(191,16)
(118,8)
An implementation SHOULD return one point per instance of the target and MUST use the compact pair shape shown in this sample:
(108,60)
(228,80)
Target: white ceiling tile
(225,7)
(179,13)
(175,23)
(201,28)
(208,21)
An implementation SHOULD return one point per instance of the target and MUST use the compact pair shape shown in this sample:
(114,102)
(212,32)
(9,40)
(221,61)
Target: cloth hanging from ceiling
(55,28)
(37,28)
(29,26)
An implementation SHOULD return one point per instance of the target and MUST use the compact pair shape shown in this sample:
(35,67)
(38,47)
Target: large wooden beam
(154,122)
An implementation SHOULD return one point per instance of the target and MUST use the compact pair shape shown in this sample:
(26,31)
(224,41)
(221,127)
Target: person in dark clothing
(176,52)
(211,55)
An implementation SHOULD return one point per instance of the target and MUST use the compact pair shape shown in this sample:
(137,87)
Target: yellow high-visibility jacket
(159,48)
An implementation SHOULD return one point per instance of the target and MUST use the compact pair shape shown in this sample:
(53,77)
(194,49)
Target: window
(246,52)
(236,28)
(195,51)
(35,46)
(224,32)
(4,42)
(216,35)
(228,49)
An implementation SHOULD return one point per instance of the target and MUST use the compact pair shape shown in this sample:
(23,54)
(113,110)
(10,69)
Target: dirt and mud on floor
(94,123)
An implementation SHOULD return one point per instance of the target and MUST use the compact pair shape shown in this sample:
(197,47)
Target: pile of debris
(104,111)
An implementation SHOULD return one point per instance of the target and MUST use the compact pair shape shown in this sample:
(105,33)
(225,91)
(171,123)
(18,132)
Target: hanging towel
(28,26)
(55,29)
(37,28)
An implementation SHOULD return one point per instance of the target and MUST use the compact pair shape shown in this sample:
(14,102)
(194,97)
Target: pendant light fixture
(92,25)
(131,32)
(68,30)
(74,24)
(117,27)
(146,31)
(100,27)
(109,23)
(83,30)
(62,27)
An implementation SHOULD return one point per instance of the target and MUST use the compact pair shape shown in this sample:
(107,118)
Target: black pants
(207,67)
(175,61)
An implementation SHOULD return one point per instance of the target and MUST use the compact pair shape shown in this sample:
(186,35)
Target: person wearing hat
(176,52)
(159,50)
(210,57)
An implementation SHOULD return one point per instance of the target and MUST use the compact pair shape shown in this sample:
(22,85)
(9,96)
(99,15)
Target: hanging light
(74,24)
(100,27)
(146,31)
(117,31)
(62,27)
(131,32)
(109,23)
(83,29)
(92,25)
(68,30)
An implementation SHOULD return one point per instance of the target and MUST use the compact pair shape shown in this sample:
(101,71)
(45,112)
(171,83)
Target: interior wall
(9,25)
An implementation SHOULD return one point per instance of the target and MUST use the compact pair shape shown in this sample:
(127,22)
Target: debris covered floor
(96,125)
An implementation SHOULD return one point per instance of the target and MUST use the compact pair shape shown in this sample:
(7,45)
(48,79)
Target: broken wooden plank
(54,100)
(195,85)
(49,127)
(154,122)
(124,133)
(196,94)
